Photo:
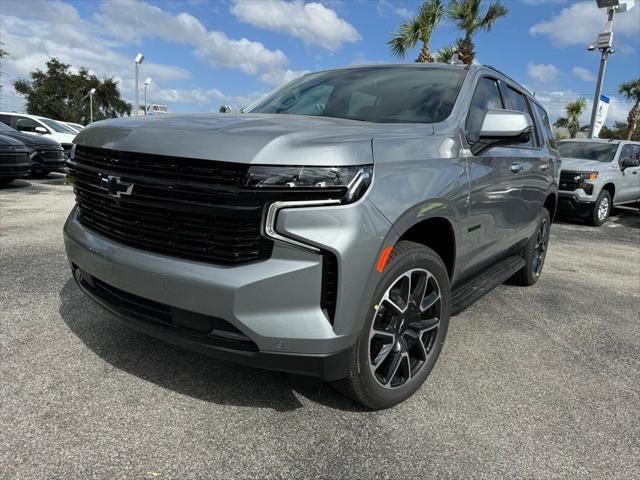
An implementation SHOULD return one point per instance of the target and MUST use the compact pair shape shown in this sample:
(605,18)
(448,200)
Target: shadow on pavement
(180,370)
(16,185)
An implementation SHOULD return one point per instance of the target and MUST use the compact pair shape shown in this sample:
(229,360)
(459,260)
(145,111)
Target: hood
(581,165)
(243,138)
(11,143)
(34,141)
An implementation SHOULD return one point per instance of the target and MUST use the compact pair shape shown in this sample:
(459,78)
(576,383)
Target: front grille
(210,330)
(51,154)
(187,208)
(570,181)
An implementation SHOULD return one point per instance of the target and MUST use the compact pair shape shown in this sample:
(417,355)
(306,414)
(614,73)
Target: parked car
(76,127)
(597,175)
(35,125)
(330,231)
(45,154)
(14,160)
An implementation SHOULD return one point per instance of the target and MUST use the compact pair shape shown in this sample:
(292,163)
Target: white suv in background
(36,125)
(597,175)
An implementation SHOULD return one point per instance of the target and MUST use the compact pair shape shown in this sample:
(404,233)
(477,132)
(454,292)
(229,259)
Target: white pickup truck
(597,175)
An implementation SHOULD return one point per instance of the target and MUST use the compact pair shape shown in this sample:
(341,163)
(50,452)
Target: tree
(445,54)
(631,91)
(467,16)
(419,29)
(62,95)
(619,131)
(572,121)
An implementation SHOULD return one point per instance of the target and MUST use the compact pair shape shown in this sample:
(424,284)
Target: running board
(476,287)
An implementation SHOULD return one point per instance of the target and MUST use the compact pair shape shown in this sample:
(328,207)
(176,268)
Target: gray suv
(330,230)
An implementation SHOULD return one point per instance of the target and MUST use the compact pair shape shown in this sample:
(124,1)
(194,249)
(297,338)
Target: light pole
(92,92)
(139,58)
(147,82)
(604,43)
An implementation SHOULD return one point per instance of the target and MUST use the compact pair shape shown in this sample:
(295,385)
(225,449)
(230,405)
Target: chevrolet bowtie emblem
(115,186)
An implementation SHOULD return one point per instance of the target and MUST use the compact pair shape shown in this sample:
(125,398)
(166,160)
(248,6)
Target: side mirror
(503,127)
(41,130)
(628,162)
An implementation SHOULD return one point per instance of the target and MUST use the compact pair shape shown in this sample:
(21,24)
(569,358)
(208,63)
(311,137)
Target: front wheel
(404,330)
(601,209)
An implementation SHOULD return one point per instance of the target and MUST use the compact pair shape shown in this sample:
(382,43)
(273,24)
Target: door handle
(516,167)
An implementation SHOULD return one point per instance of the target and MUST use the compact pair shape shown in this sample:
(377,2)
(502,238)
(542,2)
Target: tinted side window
(625,153)
(26,124)
(514,100)
(486,97)
(6,119)
(546,125)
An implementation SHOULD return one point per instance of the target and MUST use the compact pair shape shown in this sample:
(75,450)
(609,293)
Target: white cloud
(543,2)
(543,73)
(314,23)
(35,31)
(280,77)
(584,74)
(133,21)
(384,6)
(580,23)
(206,99)
(555,102)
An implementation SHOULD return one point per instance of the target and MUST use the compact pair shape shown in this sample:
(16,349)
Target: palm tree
(631,91)
(572,121)
(467,16)
(418,29)
(446,53)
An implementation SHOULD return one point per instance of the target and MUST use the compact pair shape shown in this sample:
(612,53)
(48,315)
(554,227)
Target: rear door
(494,207)
(532,174)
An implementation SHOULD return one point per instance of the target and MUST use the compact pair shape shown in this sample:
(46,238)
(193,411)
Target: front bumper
(572,205)
(275,303)
(48,160)
(14,166)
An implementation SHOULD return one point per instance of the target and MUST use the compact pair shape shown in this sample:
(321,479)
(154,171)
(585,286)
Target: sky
(202,54)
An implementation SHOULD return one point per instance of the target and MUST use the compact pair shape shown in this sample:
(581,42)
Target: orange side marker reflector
(383,258)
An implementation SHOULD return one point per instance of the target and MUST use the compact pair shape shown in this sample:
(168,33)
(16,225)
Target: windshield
(371,94)
(57,126)
(602,152)
(4,128)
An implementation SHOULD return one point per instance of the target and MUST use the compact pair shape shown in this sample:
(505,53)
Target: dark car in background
(14,160)
(45,154)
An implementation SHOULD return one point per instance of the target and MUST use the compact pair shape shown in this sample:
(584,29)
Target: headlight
(344,183)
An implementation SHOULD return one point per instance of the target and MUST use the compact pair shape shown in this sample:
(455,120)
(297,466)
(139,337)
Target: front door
(629,186)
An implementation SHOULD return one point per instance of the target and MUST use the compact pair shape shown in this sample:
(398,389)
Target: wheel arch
(611,188)
(438,234)
(551,204)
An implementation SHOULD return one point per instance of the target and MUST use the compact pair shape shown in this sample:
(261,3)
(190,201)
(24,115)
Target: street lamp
(147,82)
(604,43)
(92,92)
(139,58)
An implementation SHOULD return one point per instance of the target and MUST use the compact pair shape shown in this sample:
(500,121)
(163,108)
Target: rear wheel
(405,329)
(601,209)
(535,252)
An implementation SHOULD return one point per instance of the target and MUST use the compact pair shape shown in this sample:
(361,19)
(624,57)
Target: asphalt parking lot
(539,382)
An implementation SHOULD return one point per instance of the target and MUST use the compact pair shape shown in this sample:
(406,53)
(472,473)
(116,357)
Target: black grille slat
(186,208)
(568,181)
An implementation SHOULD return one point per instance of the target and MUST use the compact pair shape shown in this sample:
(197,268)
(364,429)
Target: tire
(37,173)
(412,340)
(601,209)
(535,252)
